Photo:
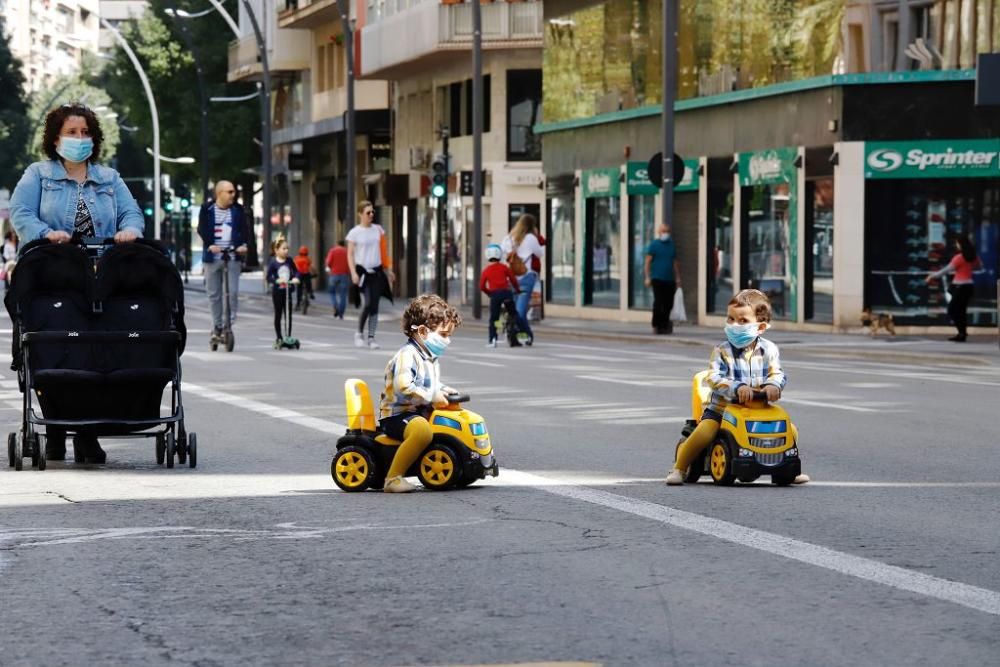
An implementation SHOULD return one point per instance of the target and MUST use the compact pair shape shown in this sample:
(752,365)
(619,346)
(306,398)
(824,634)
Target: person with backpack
(520,247)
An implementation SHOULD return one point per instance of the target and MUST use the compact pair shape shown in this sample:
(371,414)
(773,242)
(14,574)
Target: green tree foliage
(170,66)
(13,110)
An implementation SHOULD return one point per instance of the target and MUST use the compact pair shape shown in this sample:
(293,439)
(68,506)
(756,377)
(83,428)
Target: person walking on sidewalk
(368,261)
(962,265)
(221,226)
(500,284)
(663,275)
(340,277)
(523,242)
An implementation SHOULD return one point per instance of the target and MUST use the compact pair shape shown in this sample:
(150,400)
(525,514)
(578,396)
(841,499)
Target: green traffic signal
(168,206)
(148,211)
(438,190)
(185,203)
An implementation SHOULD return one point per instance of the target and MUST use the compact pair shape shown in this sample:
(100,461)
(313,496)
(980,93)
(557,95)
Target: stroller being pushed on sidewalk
(94,349)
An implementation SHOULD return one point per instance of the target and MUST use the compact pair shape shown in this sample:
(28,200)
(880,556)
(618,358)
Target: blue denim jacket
(45,201)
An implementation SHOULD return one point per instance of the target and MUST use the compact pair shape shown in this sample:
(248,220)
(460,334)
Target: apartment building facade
(50,36)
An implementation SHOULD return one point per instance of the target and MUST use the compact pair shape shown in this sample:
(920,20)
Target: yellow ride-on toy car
(459,454)
(754,440)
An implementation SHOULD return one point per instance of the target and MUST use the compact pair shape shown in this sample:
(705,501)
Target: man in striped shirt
(221,226)
(745,363)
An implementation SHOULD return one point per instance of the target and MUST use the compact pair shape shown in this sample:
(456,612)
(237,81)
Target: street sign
(655,167)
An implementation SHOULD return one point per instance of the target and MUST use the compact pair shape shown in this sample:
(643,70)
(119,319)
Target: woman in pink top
(962,265)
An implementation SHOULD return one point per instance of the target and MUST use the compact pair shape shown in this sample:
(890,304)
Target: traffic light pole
(669,94)
(349,129)
(477,156)
(265,123)
(442,217)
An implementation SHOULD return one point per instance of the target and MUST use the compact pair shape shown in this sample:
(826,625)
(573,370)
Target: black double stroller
(94,349)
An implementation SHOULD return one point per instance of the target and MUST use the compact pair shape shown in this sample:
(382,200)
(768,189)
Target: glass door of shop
(560,252)
(641,224)
(601,262)
(719,262)
(819,250)
(766,248)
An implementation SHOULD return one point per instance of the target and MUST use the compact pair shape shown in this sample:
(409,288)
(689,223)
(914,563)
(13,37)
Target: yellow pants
(416,437)
(702,436)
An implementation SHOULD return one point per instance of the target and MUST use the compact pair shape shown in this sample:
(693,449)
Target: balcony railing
(428,28)
(291,52)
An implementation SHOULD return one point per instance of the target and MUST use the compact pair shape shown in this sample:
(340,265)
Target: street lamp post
(157,213)
(265,100)
(202,98)
(349,120)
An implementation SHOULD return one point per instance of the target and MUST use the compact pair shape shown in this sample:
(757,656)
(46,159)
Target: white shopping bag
(677,313)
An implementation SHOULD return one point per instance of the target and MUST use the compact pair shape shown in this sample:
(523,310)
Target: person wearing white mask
(663,275)
(68,195)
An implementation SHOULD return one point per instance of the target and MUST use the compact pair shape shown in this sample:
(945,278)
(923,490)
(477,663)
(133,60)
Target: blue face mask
(436,344)
(741,335)
(75,149)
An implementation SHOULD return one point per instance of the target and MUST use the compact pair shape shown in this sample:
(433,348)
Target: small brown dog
(875,323)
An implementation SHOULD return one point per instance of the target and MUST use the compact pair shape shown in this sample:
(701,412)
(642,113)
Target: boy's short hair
(755,299)
(428,310)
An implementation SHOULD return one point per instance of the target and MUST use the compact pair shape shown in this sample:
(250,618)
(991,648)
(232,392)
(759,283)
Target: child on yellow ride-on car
(413,384)
(745,363)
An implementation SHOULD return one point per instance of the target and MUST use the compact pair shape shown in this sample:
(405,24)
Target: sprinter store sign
(970,158)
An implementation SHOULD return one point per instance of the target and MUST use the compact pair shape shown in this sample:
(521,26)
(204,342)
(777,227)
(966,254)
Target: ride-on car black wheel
(161,449)
(438,467)
(11,443)
(352,468)
(192,450)
(171,449)
(720,463)
(79,455)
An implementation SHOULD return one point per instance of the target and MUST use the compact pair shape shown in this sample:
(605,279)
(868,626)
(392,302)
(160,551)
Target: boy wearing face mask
(413,384)
(744,363)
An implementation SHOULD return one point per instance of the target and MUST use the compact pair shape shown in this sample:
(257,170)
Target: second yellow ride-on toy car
(459,454)
(754,440)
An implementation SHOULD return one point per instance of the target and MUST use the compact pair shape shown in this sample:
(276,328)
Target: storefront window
(601,262)
(719,262)
(560,253)
(913,224)
(426,277)
(819,270)
(642,214)
(766,245)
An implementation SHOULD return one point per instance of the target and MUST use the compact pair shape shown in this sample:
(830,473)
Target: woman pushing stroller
(71,194)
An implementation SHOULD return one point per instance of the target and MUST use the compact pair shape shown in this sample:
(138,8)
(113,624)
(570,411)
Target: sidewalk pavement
(981,349)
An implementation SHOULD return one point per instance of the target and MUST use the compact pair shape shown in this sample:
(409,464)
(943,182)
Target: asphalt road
(576,554)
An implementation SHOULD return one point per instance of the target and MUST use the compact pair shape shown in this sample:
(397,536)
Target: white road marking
(966,595)
(666,384)
(221,356)
(490,364)
(871,385)
(973,597)
(831,404)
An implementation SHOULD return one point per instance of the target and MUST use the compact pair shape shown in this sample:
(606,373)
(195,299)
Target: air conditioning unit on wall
(419,157)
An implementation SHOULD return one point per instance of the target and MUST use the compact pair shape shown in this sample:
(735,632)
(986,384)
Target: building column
(800,265)
(702,261)
(624,263)
(580,225)
(849,234)
(737,229)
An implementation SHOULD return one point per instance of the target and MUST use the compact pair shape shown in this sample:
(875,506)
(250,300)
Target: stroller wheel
(19,452)
(161,449)
(37,451)
(11,443)
(182,449)
(171,450)
(192,450)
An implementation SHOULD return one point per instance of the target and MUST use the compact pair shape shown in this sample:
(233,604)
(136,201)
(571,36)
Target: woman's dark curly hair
(53,126)
(428,310)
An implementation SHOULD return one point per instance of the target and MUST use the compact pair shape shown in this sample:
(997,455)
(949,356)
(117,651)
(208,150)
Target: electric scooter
(225,337)
(288,342)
